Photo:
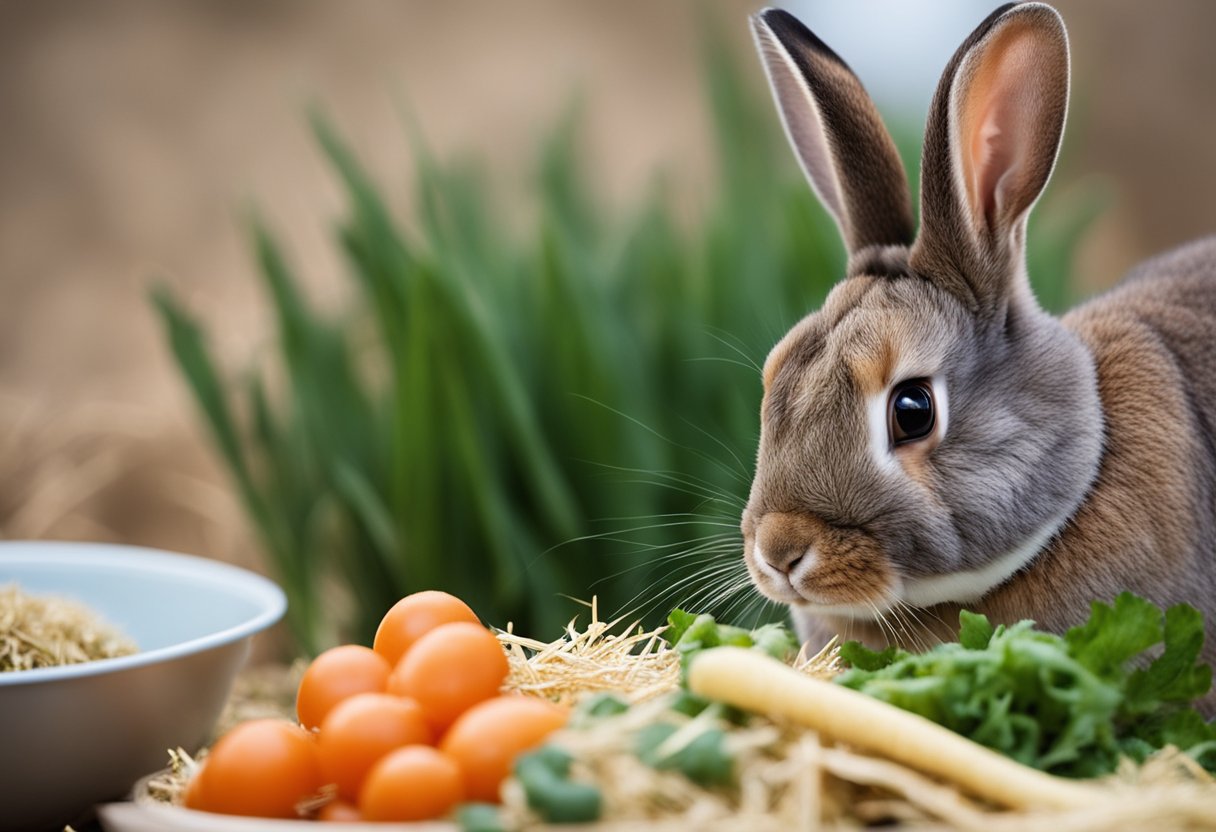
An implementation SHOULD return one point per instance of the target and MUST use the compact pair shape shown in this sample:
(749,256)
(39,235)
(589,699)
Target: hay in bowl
(47,631)
(78,734)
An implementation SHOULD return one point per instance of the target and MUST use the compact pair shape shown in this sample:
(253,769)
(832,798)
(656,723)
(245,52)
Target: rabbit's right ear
(836,131)
(990,145)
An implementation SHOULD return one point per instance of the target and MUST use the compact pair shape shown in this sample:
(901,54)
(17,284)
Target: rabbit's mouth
(817,599)
(799,560)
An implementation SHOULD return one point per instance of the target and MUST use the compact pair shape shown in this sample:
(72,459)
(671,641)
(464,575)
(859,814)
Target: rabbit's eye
(911,411)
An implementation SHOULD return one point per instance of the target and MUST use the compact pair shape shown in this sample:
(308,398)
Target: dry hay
(634,664)
(169,786)
(45,631)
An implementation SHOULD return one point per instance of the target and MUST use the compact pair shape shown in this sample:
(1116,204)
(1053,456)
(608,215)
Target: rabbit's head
(930,428)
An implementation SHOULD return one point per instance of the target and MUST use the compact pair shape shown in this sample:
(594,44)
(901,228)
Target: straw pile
(38,631)
(633,664)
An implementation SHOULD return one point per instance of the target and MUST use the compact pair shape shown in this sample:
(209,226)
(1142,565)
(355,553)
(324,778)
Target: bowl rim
(266,593)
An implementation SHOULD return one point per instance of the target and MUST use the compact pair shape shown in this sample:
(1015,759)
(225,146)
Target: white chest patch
(965,587)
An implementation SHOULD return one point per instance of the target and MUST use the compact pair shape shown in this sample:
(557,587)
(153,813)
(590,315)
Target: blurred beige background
(133,133)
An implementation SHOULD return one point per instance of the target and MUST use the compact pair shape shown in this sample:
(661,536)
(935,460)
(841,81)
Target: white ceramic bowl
(73,736)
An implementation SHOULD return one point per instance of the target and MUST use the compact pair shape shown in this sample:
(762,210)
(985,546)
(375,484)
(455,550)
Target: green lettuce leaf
(1113,636)
(857,655)
(974,630)
(1174,676)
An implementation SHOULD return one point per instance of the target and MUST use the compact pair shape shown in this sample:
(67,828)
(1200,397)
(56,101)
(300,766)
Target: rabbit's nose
(781,542)
(784,561)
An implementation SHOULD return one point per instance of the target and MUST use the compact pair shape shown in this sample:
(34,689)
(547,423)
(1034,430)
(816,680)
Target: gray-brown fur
(1087,443)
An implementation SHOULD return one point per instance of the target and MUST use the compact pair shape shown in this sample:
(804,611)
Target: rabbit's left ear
(991,141)
(836,131)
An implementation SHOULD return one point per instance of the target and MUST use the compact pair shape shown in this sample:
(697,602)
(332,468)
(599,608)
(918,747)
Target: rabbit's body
(931,439)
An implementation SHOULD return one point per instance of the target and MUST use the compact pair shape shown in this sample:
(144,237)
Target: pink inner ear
(992,158)
(1003,112)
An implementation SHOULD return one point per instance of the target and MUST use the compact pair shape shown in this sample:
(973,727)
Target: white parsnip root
(755,682)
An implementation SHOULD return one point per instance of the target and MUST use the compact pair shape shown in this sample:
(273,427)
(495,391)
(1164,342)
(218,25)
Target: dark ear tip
(789,30)
(772,13)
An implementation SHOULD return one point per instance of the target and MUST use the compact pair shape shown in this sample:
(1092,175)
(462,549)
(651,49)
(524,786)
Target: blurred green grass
(526,418)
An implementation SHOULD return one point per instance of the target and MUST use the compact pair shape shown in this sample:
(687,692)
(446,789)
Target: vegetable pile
(754,743)
(705,725)
(1070,705)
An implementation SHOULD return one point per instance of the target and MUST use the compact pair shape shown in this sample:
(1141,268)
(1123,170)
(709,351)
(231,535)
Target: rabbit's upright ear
(991,141)
(836,132)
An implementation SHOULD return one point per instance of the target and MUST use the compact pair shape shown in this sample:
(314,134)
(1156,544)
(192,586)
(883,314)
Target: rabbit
(931,439)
